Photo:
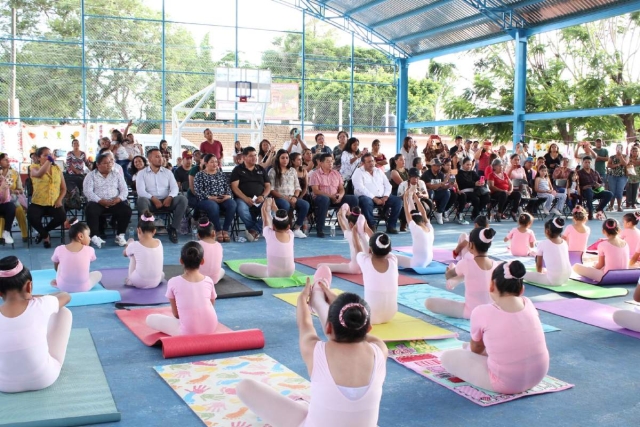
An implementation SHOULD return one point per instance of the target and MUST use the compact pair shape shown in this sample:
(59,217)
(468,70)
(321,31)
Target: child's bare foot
(54,283)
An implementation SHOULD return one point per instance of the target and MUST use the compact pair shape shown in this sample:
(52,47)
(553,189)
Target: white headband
(556,224)
(483,238)
(380,245)
(507,271)
(281,218)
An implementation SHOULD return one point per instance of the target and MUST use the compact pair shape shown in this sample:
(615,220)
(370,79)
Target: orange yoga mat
(314,261)
(223,340)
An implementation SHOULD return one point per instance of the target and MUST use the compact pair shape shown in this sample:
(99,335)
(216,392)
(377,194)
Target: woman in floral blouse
(634,180)
(214,192)
(285,189)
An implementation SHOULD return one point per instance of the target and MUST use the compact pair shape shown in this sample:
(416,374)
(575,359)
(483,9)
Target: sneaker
(445,216)
(98,242)
(249,236)
(6,235)
(299,234)
(461,220)
(438,216)
(120,240)
(546,211)
(520,211)
(555,211)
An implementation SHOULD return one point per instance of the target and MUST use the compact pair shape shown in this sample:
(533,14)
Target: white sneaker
(546,211)
(6,235)
(120,240)
(461,220)
(97,241)
(520,210)
(299,234)
(438,216)
(555,211)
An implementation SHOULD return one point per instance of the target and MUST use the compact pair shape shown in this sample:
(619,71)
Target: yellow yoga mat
(401,328)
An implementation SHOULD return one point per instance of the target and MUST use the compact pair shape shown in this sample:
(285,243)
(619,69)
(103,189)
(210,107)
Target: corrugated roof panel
(552,10)
(480,30)
(390,9)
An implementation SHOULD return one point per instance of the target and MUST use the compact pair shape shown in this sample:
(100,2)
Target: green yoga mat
(298,279)
(80,396)
(584,290)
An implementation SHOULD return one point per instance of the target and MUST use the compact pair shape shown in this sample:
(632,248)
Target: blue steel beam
(519,85)
(402,102)
(455,122)
(502,15)
(411,13)
(462,47)
(591,112)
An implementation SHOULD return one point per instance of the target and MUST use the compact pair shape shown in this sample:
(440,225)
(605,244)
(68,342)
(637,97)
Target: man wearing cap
(211,146)
(372,188)
(439,191)
(181,174)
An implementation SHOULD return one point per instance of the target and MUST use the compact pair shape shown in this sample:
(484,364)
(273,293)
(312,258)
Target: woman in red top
(502,191)
(483,157)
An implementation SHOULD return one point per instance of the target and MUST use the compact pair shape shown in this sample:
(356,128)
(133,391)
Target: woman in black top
(472,190)
(553,158)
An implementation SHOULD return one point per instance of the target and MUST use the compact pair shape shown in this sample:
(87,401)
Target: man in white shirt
(373,189)
(295,144)
(158,190)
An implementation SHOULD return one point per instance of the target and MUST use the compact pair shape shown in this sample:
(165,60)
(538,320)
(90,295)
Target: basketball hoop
(243,91)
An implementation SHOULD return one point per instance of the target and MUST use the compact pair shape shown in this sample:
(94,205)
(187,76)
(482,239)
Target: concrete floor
(601,364)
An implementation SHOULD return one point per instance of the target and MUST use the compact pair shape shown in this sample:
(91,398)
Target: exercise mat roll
(195,345)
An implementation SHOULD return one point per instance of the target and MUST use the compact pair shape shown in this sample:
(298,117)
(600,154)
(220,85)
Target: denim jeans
(441,198)
(322,204)
(301,208)
(248,215)
(393,205)
(616,185)
(604,196)
(212,209)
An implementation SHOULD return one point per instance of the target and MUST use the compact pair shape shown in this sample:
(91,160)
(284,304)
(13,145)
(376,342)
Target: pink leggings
(263,271)
(628,319)
(588,272)
(469,366)
(446,307)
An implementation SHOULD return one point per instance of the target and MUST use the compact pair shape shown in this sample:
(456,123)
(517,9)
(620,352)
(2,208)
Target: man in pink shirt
(211,146)
(328,190)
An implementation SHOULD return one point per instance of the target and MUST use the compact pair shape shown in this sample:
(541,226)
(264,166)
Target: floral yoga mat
(208,386)
(422,357)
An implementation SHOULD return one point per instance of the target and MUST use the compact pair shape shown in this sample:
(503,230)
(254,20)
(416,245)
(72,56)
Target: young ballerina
(508,352)
(212,266)
(347,372)
(421,233)
(279,237)
(522,239)
(577,234)
(380,276)
(462,251)
(192,296)
(351,221)
(613,253)
(72,261)
(476,273)
(146,256)
(34,331)
(629,319)
(630,233)
(554,252)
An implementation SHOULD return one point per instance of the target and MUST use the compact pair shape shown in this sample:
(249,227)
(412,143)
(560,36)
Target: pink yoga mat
(589,312)
(314,261)
(223,340)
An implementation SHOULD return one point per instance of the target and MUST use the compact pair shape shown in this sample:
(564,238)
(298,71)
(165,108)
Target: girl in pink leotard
(353,224)
(577,234)
(279,237)
(380,276)
(522,239)
(476,272)
(146,256)
(212,266)
(72,261)
(630,233)
(347,372)
(508,352)
(629,319)
(462,249)
(613,253)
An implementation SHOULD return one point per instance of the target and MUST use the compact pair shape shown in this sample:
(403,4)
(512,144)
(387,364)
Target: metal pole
(12,95)
(85,116)
(303,69)
(164,85)
(402,102)
(386,117)
(235,119)
(340,115)
(353,39)
(520,87)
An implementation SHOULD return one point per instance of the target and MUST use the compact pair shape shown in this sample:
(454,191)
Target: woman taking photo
(397,172)
(266,154)
(409,150)
(472,190)
(553,158)
(49,190)
(501,190)
(213,191)
(286,191)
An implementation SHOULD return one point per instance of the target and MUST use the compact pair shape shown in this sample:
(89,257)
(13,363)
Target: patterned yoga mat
(422,357)
(208,386)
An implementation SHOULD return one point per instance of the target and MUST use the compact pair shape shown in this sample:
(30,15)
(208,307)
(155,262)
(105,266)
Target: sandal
(226,236)
(220,237)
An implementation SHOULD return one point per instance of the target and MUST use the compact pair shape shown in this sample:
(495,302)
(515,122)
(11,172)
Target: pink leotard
(476,284)
(197,315)
(632,237)
(380,289)
(517,353)
(148,265)
(279,255)
(521,242)
(212,260)
(615,258)
(577,241)
(330,407)
(73,268)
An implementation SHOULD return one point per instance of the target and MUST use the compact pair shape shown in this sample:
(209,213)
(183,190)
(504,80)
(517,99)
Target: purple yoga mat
(589,312)
(113,279)
(575,257)
(613,277)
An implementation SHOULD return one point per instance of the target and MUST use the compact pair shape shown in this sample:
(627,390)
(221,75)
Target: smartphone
(452,179)
(481,180)
(295,132)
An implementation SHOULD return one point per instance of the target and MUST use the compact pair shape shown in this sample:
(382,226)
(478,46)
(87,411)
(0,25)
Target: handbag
(631,170)
(481,191)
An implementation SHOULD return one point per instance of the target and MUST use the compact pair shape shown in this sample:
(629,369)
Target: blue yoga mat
(415,296)
(80,396)
(434,268)
(97,295)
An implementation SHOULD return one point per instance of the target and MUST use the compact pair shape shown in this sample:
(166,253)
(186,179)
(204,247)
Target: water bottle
(131,234)
(332,230)
(194,233)
(241,239)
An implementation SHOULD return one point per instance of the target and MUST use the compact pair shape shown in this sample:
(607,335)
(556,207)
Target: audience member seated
(106,193)
(266,154)
(328,191)
(320,148)
(16,193)
(562,172)
(158,191)
(501,189)
(214,193)
(449,176)
(397,172)
(250,184)
(7,209)
(472,189)
(181,174)
(351,158)
(592,187)
(553,159)
(49,190)
(414,182)
(296,143)
(286,190)
(372,188)
(137,164)
(337,150)
(409,151)
(439,191)
(76,162)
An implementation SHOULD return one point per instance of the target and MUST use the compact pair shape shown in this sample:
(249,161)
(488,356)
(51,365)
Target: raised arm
(306,332)
(266,212)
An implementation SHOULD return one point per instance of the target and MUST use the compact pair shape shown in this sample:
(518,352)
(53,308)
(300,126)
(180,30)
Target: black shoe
(38,239)
(514,216)
(497,217)
(321,234)
(392,231)
(47,244)
(173,234)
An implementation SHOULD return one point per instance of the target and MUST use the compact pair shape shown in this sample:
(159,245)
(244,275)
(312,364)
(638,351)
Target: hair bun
(517,269)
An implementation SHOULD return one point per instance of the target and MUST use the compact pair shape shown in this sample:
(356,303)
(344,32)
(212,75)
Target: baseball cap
(414,172)
(186,155)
